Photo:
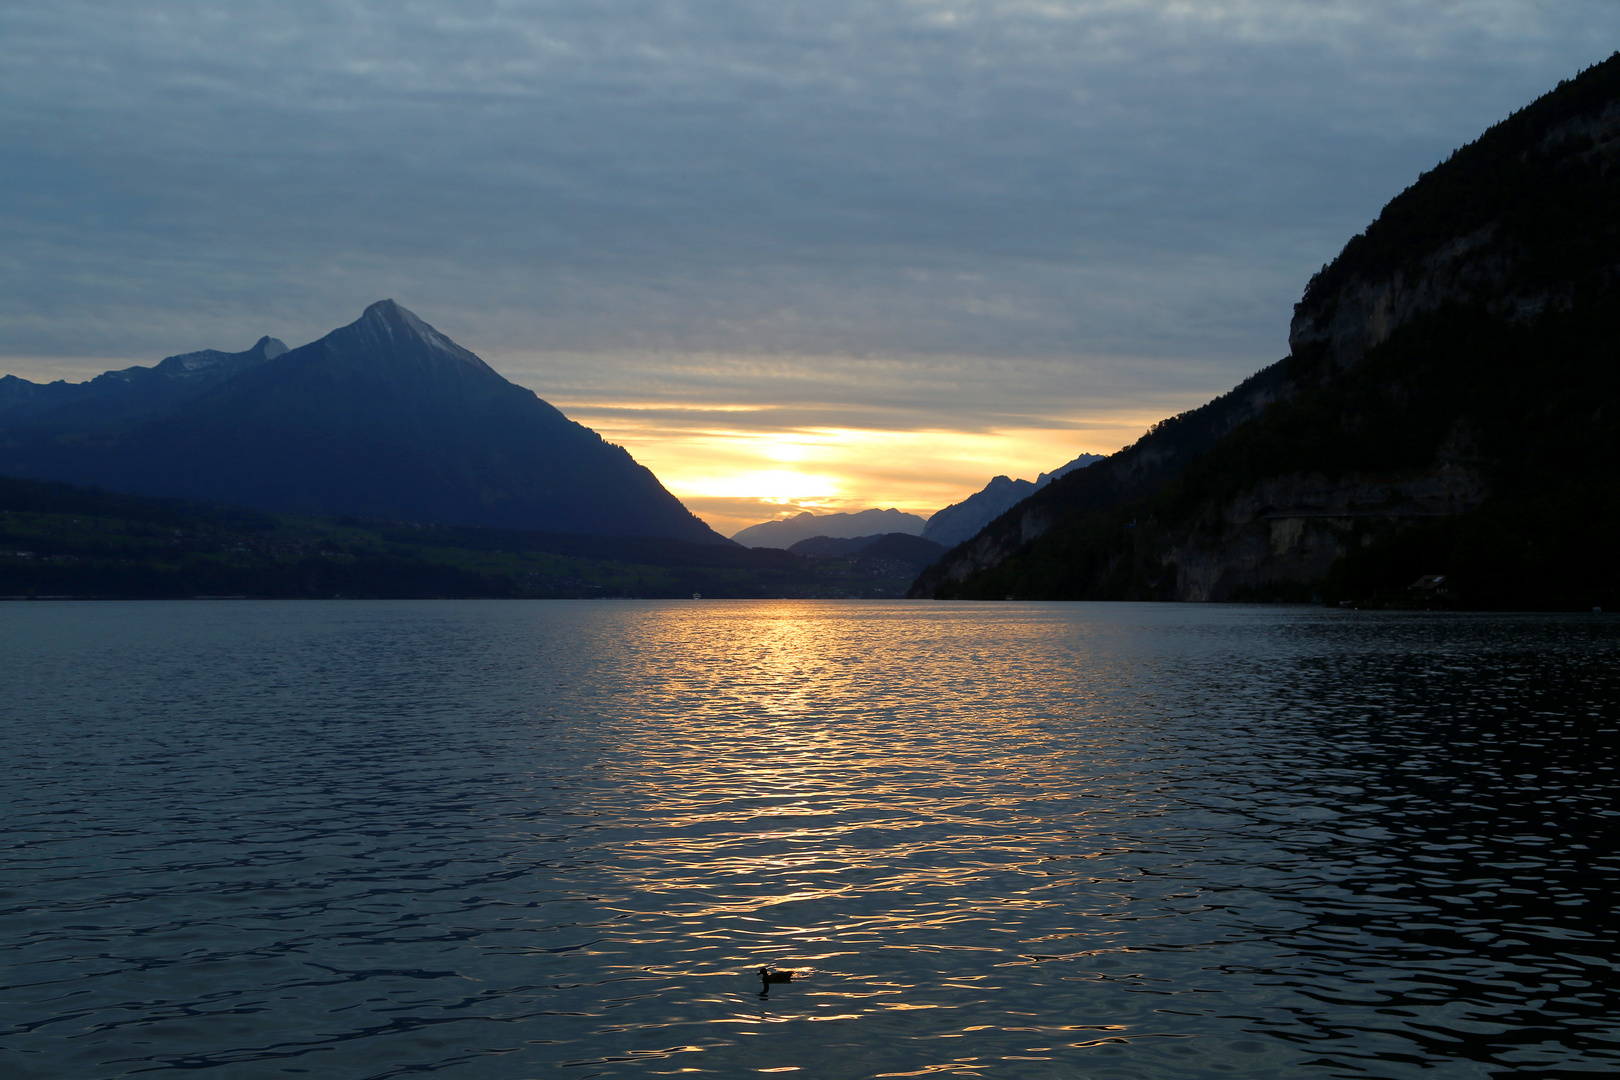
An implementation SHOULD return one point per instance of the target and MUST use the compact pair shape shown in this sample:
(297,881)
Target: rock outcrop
(1450,403)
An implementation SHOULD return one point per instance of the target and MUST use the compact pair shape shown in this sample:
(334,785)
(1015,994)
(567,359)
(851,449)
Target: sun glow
(733,477)
(778,448)
(742,439)
(769,485)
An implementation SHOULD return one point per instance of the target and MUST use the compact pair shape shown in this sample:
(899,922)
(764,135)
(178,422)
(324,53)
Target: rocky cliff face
(1456,360)
(1362,313)
(1291,529)
(1507,224)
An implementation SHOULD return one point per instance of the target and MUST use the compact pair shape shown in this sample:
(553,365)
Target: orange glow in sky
(735,476)
(742,439)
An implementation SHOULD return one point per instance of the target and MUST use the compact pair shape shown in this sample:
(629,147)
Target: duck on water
(770,976)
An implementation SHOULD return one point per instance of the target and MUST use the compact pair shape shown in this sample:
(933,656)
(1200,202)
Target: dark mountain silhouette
(59,540)
(1450,407)
(901,546)
(785,532)
(127,394)
(959,521)
(383,418)
(884,555)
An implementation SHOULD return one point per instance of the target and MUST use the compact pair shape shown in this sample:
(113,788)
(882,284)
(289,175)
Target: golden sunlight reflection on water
(501,841)
(828,789)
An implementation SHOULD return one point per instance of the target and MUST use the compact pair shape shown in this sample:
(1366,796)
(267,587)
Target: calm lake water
(555,839)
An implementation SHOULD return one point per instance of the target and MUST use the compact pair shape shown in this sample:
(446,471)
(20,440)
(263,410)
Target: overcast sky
(891,247)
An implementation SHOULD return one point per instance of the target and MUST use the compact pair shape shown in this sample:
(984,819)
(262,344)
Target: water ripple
(503,840)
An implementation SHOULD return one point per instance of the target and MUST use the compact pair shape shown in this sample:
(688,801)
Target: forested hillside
(1450,407)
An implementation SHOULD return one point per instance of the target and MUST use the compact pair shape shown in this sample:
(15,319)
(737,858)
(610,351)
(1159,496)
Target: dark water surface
(514,840)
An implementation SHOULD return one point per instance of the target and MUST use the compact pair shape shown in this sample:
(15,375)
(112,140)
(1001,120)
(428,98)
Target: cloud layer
(1120,200)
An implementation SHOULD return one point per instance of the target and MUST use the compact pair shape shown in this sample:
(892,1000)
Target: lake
(556,839)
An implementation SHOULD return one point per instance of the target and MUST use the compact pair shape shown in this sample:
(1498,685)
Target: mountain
(902,546)
(789,531)
(896,555)
(1068,467)
(384,418)
(1450,406)
(130,393)
(61,541)
(959,521)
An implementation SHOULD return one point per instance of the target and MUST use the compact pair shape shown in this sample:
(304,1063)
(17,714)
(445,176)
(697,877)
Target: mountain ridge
(385,417)
(60,541)
(1448,407)
(960,521)
(785,532)
(129,391)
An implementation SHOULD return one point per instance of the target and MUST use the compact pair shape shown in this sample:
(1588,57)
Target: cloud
(748,175)
(1096,204)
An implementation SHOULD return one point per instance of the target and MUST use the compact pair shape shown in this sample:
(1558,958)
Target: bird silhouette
(768,976)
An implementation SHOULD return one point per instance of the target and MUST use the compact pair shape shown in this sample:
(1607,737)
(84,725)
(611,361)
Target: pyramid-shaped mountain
(383,418)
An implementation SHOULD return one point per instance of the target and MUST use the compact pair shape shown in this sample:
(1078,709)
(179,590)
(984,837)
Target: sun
(770,485)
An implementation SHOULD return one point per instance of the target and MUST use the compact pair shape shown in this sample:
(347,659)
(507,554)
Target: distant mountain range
(959,521)
(948,527)
(384,418)
(1444,430)
(786,532)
